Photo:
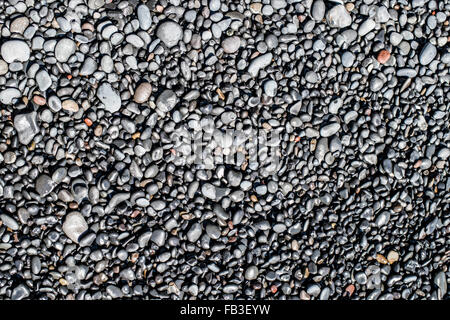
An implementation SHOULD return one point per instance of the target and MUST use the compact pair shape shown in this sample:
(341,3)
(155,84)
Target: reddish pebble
(274,289)
(88,122)
(40,101)
(383,56)
(350,289)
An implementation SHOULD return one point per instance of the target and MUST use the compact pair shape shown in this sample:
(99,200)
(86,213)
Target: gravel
(224,150)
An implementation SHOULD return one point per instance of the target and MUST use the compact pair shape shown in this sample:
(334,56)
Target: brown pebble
(98,131)
(40,101)
(381,259)
(350,289)
(383,56)
(70,105)
(143,92)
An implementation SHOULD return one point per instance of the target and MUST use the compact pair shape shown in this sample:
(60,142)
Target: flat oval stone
(109,97)
(231,44)
(143,92)
(64,49)
(74,226)
(15,50)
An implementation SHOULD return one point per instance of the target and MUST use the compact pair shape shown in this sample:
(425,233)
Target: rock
(441,282)
(231,44)
(166,101)
(427,54)
(338,17)
(383,56)
(19,25)
(144,17)
(251,273)
(15,50)
(143,92)
(64,49)
(9,95)
(330,129)
(70,105)
(20,292)
(170,33)
(44,185)
(270,88)
(259,63)
(348,59)
(158,237)
(318,10)
(26,125)
(74,226)
(194,233)
(9,222)
(3,67)
(89,67)
(43,80)
(392,257)
(109,97)
(365,27)
(213,231)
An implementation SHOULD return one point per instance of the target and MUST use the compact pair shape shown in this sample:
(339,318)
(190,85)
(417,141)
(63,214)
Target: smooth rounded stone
(194,233)
(135,40)
(158,205)
(9,157)
(89,67)
(158,237)
(54,103)
(44,185)
(109,97)
(313,290)
(318,10)
(143,92)
(26,125)
(231,44)
(95,4)
(311,77)
(259,63)
(64,49)
(335,105)
(441,282)
(365,27)
(234,178)
(321,149)
(382,14)
(444,153)
(213,231)
(107,64)
(43,80)
(376,84)
(361,278)
(392,257)
(70,105)
(74,226)
(348,59)
(270,88)
(427,54)
(170,33)
(20,292)
(3,67)
(9,222)
(251,273)
(406,72)
(9,95)
(278,4)
(338,17)
(382,219)
(36,265)
(166,101)
(395,38)
(144,17)
(114,292)
(19,25)
(330,129)
(209,191)
(15,50)
(214,5)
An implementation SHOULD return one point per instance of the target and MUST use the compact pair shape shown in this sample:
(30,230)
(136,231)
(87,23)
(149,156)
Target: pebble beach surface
(103,195)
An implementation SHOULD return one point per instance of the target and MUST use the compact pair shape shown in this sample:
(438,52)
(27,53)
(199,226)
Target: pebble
(231,44)
(74,226)
(427,54)
(259,63)
(318,10)
(144,17)
(64,49)
(330,129)
(170,33)
(348,59)
(109,97)
(338,17)
(143,92)
(15,50)
(26,125)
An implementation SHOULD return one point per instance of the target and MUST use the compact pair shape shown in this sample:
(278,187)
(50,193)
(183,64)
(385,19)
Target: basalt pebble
(213,150)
